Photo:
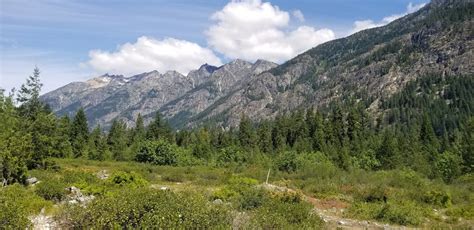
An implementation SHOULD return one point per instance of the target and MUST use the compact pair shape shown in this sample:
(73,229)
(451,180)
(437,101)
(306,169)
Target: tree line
(421,127)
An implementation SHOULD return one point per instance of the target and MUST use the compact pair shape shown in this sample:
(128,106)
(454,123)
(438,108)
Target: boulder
(218,201)
(32,180)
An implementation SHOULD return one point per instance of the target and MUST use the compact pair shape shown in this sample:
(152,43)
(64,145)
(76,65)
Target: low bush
(147,208)
(406,213)
(16,204)
(130,179)
(277,213)
(438,198)
(52,189)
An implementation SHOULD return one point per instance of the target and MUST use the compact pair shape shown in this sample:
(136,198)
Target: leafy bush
(16,204)
(157,152)
(287,162)
(438,198)
(51,189)
(131,179)
(406,213)
(230,155)
(284,213)
(252,198)
(147,208)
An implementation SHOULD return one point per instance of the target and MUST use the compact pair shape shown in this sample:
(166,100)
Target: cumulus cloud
(298,15)
(367,24)
(150,54)
(252,29)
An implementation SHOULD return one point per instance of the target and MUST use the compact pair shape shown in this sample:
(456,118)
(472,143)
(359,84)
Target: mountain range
(367,66)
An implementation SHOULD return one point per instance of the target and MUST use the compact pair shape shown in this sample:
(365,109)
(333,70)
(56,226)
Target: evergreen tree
(64,146)
(428,137)
(468,147)
(159,129)
(117,140)
(337,120)
(264,134)
(98,149)
(28,96)
(79,133)
(15,144)
(246,133)
(388,154)
(138,133)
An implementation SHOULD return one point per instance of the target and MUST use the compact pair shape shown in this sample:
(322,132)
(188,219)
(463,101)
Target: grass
(400,197)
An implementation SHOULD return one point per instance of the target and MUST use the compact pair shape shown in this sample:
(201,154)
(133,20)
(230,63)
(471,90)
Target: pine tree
(264,134)
(79,133)
(428,137)
(139,130)
(15,144)
(28,96)
(159,129)
(387,154)
(246,132)
(98,149)
(117,140)
(318,136)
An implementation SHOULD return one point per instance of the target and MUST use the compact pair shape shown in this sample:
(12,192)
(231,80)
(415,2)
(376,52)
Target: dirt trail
(331,213)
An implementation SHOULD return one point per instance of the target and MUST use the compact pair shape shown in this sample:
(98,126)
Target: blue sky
(72,40)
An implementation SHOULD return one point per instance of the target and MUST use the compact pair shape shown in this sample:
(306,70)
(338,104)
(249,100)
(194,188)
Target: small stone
(32,180)
(217,201)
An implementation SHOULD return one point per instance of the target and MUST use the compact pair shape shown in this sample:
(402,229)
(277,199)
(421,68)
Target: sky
(75,40)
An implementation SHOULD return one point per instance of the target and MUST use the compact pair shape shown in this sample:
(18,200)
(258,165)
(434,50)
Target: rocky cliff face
(110,97)
(365,67)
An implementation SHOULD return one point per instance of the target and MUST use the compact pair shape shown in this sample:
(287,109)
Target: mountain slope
(366,66)
(110,97)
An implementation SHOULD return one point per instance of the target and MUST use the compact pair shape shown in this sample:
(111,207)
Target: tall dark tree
(247,135)
(98,149)
(28,96)
(117,140)
(264,134)
(159,129)
(138,132)
(79,133)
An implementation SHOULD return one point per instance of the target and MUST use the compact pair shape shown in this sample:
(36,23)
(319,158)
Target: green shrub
(278,214)
(287,162)
(157,152)
(364,210)
(131,179)
(406,213)
(51,189)
(438,198)
(252,198)
(147,208)
(16,204)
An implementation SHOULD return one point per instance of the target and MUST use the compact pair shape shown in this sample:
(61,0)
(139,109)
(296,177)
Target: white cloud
(298,15)
(252,29)
(150,54)
(367,24)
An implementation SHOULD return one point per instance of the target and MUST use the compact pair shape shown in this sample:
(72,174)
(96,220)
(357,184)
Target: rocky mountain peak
(262,65)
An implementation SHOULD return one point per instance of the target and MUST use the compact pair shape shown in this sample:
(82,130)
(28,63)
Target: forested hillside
(425,133)
(375,130)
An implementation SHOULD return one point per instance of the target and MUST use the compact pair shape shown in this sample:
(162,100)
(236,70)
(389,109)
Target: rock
(76,197)
(341,222)
(218,201)
(32,180)
(103,175)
